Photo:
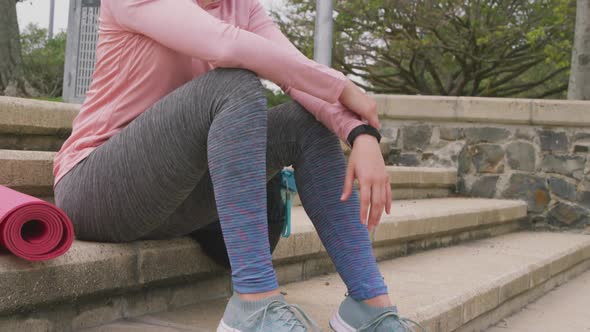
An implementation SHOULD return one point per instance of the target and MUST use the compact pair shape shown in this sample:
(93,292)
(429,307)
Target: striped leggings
(205,152)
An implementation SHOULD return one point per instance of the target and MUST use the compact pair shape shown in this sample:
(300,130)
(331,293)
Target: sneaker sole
(224,328)
(339,325)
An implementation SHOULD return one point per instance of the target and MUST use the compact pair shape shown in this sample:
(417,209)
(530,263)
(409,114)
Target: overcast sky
(37,11)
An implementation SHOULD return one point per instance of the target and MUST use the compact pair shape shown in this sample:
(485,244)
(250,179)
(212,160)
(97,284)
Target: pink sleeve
(333,115)
(187,28)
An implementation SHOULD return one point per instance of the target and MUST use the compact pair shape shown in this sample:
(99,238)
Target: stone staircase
(461,264)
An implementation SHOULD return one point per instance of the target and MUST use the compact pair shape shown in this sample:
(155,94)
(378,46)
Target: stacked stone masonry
(535,150)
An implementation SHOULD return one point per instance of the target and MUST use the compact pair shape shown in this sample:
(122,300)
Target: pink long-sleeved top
(147,48)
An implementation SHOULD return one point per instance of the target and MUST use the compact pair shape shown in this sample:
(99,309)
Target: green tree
(494,48)
(12,76)
(43,60)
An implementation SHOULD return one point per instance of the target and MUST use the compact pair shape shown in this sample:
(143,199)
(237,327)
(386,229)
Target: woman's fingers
(365,189)
(388,196)
(348,181)
(360,103)
(377,203)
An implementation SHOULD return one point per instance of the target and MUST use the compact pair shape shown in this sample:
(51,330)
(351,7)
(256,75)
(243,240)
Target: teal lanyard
(288,184)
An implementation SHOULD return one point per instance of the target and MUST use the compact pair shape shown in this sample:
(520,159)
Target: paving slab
(445,289)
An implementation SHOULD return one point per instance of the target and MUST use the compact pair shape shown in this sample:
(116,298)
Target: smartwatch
(363,129)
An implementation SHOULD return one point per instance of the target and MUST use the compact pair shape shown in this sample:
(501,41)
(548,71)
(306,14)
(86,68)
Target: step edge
(430,316)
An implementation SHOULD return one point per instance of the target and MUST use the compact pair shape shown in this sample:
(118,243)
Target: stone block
(485,186)
(464,161)
(531,188)
(451,134)
(521,156)
(583,198)
(403,159)
(485,134)
(553,141)
(488,158)
(527,133)
(562,188)
(416,137)
(445,156)
(566,214)
(582,147)
(385,145)
(581,135)
(563,164)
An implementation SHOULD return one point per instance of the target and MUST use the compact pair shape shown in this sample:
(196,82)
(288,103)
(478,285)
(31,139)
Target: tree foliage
(12,78)
(43,60)
(494,48)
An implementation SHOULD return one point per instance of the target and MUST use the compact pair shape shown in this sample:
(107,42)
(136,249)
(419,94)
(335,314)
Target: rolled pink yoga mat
(31,228)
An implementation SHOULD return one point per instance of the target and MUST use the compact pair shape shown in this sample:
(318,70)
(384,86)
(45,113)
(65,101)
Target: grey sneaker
(357,316)
(272,314)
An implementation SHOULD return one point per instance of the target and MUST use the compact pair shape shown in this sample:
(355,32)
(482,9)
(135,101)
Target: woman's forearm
(186,28)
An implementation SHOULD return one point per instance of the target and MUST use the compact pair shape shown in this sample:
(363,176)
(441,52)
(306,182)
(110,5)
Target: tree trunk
(12,78)
(579,85)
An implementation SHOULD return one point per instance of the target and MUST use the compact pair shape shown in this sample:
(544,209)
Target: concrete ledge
(87,269)
(410,220)
(31,172)
(422,177)
(36,117)
(485,110)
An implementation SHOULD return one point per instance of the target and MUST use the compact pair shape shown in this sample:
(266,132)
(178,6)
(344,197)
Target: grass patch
(57,99)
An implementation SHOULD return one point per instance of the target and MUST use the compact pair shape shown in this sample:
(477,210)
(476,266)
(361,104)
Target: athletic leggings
(205,152)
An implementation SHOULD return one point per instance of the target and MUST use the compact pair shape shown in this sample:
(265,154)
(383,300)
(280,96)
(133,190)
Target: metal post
(322,50)
(51,17)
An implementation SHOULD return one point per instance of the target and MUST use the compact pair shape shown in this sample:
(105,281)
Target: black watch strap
(363,129)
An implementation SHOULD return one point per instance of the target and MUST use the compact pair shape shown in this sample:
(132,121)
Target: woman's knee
(308,127)
(233,84)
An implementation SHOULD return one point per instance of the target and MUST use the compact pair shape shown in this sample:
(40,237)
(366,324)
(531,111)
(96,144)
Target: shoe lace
(286,314)
(405,322)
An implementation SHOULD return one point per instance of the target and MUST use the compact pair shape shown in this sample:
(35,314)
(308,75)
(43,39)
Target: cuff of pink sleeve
(350,125)
(344,120)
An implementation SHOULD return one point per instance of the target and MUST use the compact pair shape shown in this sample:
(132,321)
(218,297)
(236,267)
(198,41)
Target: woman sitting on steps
(175,133)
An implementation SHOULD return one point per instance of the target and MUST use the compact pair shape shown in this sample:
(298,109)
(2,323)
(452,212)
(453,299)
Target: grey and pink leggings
(206,152)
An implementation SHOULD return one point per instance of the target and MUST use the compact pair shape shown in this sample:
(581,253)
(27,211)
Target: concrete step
(463,288)
(564,309)
(28,124)
(79,288)
(31,172)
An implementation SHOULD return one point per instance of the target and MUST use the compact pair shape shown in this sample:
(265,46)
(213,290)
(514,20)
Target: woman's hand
(357,101)
(366,163)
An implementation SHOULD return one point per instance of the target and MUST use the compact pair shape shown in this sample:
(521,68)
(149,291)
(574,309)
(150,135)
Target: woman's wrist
(363,130)
(366,138)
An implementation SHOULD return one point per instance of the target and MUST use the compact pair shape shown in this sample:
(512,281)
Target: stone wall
(534,150)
